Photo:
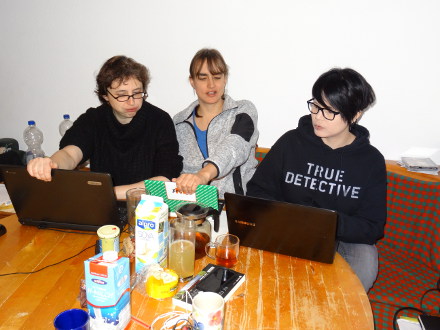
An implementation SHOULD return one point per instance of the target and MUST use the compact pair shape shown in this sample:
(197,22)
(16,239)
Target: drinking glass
(133,196)
(181,253)
(226,248)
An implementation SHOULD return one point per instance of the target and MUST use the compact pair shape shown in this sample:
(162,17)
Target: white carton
(151,232)
(108,291)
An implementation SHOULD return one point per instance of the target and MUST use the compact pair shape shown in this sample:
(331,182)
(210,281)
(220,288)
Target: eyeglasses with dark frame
(125,98)
(327,113)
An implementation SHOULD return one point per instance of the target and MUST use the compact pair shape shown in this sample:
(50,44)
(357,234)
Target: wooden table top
(280,292)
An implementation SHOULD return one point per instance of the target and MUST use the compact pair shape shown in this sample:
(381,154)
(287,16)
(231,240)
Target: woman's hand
(187,182)
(67,158)
(40,168)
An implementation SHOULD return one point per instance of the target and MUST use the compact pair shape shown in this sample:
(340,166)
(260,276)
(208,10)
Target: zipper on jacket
(195,137)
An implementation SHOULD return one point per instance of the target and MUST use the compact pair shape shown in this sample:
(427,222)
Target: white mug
(208,310)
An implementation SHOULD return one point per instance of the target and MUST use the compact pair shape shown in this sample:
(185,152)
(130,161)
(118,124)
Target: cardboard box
(108,291)
(205,194)
(151,232)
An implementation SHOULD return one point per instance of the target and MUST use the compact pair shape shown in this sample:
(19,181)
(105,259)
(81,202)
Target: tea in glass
(226,257)
(226,250)
(201,240)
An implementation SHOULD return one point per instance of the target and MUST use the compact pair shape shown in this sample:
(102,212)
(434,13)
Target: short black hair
(346,90)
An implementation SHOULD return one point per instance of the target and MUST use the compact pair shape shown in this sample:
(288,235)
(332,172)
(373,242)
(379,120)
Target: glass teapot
(198,213)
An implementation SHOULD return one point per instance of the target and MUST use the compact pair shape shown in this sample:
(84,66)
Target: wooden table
(4,214)
(280,292)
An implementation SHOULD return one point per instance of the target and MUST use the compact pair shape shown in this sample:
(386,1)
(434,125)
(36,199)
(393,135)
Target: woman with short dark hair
(328,162)
(125,136)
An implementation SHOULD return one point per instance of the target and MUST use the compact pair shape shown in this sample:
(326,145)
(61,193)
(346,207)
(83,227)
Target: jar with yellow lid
(161,283)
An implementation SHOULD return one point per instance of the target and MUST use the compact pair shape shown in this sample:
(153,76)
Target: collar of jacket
(228,104)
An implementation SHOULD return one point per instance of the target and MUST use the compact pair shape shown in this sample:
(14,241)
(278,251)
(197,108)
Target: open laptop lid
(296,230)
(80,200)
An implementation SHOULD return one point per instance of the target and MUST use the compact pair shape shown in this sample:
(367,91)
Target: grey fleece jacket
(231,139)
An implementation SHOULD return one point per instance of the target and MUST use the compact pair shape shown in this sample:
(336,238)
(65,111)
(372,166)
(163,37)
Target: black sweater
(144,148)
(351,180)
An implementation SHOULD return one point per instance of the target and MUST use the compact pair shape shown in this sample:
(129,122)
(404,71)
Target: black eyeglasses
(327,113)
(125,98)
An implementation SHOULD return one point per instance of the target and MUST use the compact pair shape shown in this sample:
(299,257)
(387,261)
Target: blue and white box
(108,290)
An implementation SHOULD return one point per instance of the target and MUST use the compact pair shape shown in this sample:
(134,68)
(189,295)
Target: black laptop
(80,200)
(295,230)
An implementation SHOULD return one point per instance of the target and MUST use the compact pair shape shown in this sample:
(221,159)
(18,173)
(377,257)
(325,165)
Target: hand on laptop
(40,168)
(67,158)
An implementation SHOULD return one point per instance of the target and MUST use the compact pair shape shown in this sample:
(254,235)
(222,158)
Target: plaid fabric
(413,222)
(409,254)
(260,153)
(384,314)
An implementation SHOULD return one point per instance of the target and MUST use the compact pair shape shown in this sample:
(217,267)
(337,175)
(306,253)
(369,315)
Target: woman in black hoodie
(328,162)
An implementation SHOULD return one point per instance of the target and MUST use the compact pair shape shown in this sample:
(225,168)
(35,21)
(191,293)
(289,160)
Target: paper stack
(421,165)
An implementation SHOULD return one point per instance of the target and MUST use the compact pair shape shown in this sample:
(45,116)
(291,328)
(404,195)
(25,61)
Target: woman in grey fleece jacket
(217,135)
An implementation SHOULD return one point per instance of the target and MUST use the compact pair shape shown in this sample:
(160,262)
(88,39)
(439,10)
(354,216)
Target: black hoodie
(300,168)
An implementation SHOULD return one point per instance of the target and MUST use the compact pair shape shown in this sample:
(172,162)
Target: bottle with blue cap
(33,137)
(65,124)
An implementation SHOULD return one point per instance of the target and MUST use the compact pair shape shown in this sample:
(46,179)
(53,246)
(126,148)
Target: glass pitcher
(198,213)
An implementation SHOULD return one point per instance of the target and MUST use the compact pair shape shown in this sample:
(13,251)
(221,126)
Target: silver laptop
(295,230)
(80,200)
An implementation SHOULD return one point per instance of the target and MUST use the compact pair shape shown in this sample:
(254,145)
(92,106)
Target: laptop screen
(291,229)
(80,200)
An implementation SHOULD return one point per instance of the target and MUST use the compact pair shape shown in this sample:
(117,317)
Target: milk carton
(108,290)
(151,232)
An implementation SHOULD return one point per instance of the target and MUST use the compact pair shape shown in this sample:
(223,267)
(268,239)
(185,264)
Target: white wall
(51,51)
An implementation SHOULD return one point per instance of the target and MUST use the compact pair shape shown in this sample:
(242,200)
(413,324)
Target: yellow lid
(162,284)
(108,231)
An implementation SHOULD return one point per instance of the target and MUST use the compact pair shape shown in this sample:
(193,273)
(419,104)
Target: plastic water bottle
(33,137)
(65,124)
